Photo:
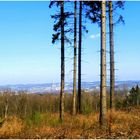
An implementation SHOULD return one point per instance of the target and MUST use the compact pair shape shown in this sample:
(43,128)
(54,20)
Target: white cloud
(93,36)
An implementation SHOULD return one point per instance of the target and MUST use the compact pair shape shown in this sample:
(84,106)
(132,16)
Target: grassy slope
(122,125)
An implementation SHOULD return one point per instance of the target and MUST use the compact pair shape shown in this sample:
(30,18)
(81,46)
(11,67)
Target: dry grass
(11,127)
(122,125)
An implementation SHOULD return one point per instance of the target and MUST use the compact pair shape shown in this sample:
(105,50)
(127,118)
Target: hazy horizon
(65,82)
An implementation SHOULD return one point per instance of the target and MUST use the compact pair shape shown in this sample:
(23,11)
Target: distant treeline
(27,105)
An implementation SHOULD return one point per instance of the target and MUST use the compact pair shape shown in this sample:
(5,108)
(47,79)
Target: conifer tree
(60,34)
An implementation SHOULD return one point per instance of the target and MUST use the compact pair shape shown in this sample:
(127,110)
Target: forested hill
(55,87)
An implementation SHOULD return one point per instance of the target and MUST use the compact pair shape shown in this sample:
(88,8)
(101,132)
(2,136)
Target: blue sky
(27,55)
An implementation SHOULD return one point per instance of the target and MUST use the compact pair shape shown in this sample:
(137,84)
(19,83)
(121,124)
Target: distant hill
(55,87)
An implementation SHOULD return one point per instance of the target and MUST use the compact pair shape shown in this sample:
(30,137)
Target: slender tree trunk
(79,59)
(112,72)
(103,65)
(6,108)
(62,64)
(75,59)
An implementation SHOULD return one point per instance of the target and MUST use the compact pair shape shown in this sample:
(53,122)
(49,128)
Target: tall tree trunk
(79,58)
(75,59)
(112,72)
(103,65)
(62,64)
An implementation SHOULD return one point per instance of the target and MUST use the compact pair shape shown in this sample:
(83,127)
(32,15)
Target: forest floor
(120,124)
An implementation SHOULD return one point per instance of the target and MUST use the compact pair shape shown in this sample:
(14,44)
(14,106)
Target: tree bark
(79,58)
(62,64)
(103,65)
(75,59)
(112,71)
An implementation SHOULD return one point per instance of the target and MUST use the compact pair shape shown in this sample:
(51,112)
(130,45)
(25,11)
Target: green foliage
(93,11)
(34,119)
(133,97)
(60,20)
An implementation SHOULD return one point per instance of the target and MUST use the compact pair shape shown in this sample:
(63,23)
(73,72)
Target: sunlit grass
(123,124)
